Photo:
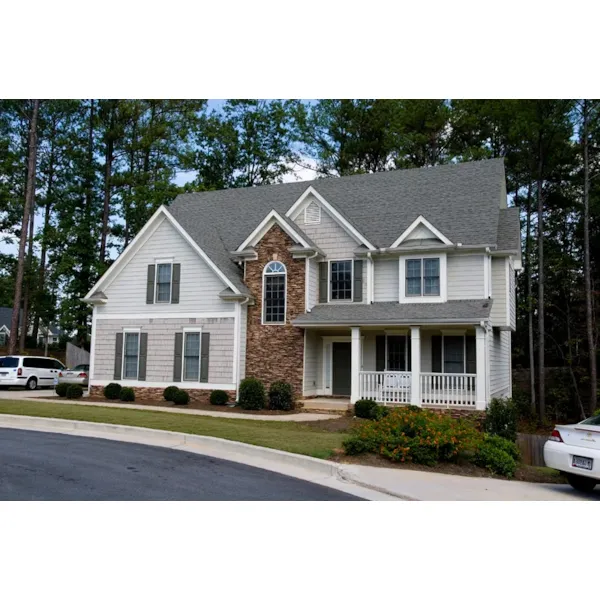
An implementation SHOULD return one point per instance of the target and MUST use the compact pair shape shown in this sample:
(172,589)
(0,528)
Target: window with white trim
(340,280)
(164,276)
(422,277)
(131,354)
(191,355)
(274,300)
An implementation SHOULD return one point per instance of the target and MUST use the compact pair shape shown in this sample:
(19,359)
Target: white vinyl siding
(199,284)
(161,346)
(499,355)
(313,283)
(512,284)
(329,236)
(243,333)
(499,292)
(311,354)
(465,277)
(386,280)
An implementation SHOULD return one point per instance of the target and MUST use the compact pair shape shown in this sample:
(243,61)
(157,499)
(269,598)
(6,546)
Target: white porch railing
(385,386)
(448,389)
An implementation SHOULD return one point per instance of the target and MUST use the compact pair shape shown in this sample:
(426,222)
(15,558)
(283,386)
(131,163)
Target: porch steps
(325,405)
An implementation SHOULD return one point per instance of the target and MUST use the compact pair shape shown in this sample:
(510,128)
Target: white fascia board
(421,220)
(266,224)
(296,208)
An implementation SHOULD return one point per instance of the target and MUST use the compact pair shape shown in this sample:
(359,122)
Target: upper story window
(163,282)
(340,280)
(423,277)
(274,282)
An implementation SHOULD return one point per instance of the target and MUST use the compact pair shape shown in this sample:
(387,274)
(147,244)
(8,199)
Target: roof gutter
(395,322)
(423,249)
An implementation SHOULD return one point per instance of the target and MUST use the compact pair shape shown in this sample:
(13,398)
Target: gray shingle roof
(384,313)
(461,200)
(6,316)
(509,230)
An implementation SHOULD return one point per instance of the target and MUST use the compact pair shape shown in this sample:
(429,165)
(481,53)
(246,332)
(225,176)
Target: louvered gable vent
(312,214)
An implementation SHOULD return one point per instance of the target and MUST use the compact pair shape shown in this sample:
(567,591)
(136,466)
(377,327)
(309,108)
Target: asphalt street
(52,466)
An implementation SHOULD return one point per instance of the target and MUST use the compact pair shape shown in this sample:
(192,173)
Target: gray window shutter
(204,353)
(175,283)
(471,354)
(436,354)
(177,361)
(358,281)
(118,356)
(380,353)
(323,281)
(150,284)
(143,354)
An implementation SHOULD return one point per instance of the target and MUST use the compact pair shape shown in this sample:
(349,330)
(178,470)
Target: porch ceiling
(463,312)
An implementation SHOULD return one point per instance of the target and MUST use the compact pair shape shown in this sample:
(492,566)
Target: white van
(31,372)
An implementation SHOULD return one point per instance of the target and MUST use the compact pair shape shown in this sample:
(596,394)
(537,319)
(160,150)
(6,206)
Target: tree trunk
(29,195)
(541,323)
(107,185)
(589,314)
(27,279)
(530,301)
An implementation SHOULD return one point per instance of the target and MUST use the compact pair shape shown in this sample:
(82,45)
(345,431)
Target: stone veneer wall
(154,395)
(276,352)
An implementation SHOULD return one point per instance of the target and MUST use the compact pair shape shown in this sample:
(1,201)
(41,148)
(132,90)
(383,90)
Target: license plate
(583,463)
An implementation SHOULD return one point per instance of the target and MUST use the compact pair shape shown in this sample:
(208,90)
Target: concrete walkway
(48,396)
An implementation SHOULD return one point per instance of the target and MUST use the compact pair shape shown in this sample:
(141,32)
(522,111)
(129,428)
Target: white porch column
(415,357)
(355,366)
(481,369)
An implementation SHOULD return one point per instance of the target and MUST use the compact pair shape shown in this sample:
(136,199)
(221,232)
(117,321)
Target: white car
(575,451)
(77,375)
(29,371)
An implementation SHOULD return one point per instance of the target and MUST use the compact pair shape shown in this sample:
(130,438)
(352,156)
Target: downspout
(239,346)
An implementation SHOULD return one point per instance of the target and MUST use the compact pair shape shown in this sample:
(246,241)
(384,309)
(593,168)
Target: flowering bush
(420,436)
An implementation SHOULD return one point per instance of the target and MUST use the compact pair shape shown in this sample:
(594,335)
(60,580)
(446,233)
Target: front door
(341,367)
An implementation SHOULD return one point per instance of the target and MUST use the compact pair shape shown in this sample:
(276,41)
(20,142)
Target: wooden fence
(531,447)
(76,356)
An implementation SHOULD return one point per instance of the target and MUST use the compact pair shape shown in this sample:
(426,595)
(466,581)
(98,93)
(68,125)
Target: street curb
(320,470)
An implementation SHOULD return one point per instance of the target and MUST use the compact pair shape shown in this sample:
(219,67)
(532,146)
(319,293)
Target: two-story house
(397,286)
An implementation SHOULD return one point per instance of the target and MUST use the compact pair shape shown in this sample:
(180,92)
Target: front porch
(418,365)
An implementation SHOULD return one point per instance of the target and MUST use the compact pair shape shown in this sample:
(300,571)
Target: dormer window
(423,277)
(274,301)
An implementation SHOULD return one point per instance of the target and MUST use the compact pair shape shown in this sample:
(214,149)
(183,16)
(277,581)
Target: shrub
(127,395)
(61,389)
(501,419)
(112,391)
(363,408)
(181,397)
(169,393)
(252,394)
(597,413)
(219,397)
(281,396)
(423,437)
(492,457)
(503,444)
(74,391)
(379,412)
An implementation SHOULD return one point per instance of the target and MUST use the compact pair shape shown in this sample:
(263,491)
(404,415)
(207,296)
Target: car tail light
(82,375)
(60,374)
(555,436)
(19,372)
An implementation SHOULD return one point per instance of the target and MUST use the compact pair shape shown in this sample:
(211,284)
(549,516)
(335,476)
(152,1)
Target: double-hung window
(131,355)
(191,356)
(422,277)
(274,280)
(164,273)
(341,280)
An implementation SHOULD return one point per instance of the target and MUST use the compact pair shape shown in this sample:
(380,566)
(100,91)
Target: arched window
(274,293)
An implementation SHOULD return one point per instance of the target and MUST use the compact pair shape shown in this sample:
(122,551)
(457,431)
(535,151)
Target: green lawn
(288,436)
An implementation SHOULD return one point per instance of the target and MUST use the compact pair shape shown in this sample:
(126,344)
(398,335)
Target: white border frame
(265,225)
(327,340)
(185,331)
(157,262)
(421,220)
(127,330)
(443,297)
(264,276)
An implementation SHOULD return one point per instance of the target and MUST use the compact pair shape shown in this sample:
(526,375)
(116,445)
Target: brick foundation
(154,396)
(276,352)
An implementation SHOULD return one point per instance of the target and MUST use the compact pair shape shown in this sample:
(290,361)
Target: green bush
(252,394)
(219,397)
(281,396)
(597,413)
(112,391)
(181,397)
(492,457)
(503,444)
(170,392)
(406,435)
(61,389)
(74,391)
(127,395)
(501,419)
(379,412)
(363,408)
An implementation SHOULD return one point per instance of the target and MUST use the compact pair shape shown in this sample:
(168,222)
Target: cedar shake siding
(275,352)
